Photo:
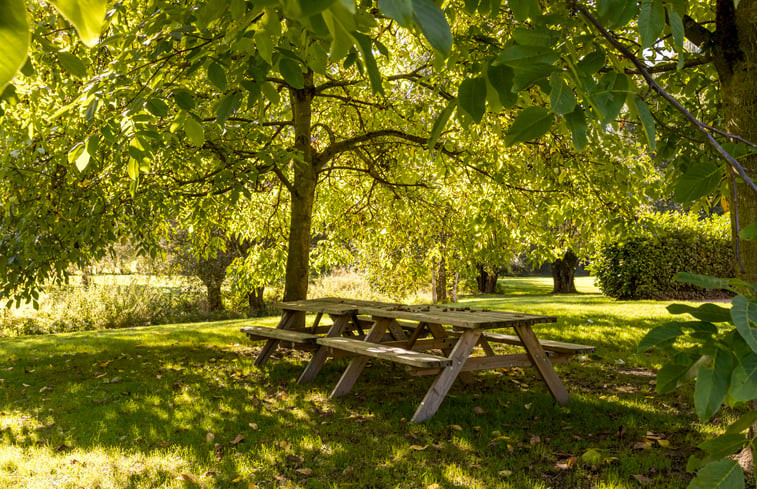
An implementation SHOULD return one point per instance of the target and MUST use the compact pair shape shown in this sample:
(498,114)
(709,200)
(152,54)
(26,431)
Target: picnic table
(406,335)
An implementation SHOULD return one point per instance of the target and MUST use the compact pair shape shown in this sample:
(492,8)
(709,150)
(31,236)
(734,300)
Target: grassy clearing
(182,406)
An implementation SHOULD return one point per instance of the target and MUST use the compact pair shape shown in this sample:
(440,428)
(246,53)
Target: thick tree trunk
(439,281)
(214,296)
(255,300)
(303,195)
(564,273)
(487,281)
(736,59)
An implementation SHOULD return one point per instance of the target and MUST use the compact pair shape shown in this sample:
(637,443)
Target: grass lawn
(183,406)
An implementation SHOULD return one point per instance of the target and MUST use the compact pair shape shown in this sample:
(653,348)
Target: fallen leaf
(479,410)
(418,447)
(237,439)
(642,445)
(642,479)
(284,445)
(305,471)
(567,463)
(254,426)
(534,439)
(664,443)
(505,473)
(45,389)
(236,479)
(190,478)
(209,437)
(456,427)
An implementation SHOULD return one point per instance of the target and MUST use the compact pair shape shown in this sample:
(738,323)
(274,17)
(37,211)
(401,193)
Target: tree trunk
(302,194)
(736,58)
(487,282)
(455,283)
(439,281)
(564,274)
(214,296)
(255,301)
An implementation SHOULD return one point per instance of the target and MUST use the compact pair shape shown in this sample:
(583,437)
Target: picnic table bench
(405,334)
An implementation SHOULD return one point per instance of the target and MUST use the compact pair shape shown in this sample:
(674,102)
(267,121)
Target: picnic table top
(457,317)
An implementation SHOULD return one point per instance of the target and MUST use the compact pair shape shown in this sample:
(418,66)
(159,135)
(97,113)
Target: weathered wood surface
(473,364)
(383,351)
(540,360)
(320,356)
(319,306)
(548,345)
(257,333)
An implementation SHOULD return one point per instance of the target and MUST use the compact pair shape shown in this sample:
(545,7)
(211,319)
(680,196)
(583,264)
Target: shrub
(643,266)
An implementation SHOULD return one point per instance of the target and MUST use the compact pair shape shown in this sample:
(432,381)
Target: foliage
(105,304)
(643,265)
(718,348)
(161,405)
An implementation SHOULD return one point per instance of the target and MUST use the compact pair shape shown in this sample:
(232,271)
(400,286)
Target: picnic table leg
(447,376)
(322,353)
(356,366)
(438,331)
(287,319)
(540,360)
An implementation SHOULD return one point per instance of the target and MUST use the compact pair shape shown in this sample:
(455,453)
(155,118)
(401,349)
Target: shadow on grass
(191,393)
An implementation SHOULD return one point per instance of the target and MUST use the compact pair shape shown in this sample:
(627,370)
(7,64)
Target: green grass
(165,406)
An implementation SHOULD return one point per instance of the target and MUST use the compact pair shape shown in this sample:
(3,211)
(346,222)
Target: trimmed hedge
(644,266)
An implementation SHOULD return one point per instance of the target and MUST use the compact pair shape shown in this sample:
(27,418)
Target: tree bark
(439,281)
(564,274)
(302,194)
(255,300)
(214,296)
(736,58)
(487,281)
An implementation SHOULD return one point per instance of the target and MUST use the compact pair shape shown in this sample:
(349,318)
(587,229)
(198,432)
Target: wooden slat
(356,366)
(288,318)
(256,333)
(549,345)
(393,353)
(320,356)
(539,359)
(316,306)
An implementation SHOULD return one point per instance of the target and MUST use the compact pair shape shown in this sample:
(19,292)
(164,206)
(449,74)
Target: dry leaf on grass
(567,463)
(305,471)
(189,478)
(237,439)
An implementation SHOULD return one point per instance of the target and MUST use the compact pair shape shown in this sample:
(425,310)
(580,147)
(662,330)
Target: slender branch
(701,127)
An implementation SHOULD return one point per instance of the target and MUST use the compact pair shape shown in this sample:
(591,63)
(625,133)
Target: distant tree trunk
(487,282)
(564,273)
(214,296)
(455,283)
(439,281)
(255,299)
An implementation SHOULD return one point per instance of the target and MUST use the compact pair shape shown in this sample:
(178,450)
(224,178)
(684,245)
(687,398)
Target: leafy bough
(721,354)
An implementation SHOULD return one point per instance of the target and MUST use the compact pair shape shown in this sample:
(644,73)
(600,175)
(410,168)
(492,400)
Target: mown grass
(183,406)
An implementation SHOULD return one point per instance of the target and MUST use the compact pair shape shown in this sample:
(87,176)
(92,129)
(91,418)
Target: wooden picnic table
(405,334)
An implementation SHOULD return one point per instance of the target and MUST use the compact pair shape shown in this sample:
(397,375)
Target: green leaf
(647,121)
(83,160)
(501,78)
(723,446)
(184,99)
(264,45)
(711,313)
(472,97)
(524,57)
(524,9)
(742,424)
(312,7)
(616,13)
(366,48)
(670,375)
(227,106)
(217,76)
(561,97)
(591,63)
(399,10)
(72,64)
(441,122)
(14,39)
(75,152)
(194,131)
(704,281)
(701,179)
(661,334)
(531,123)
(433,24)
(676,28)
(712,385)
(612,95)
(723,474)
(87,17)
(132,168)
(744,379)
(576,121)
(749,232)
(651,22)
(744,313)
(292,73)
(157,107)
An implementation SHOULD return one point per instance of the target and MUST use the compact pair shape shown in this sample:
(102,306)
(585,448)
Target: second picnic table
(404,334)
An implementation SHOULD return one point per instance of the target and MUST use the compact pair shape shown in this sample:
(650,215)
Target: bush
(644,266)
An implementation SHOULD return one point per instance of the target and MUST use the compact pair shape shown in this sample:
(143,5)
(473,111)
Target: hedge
(643,266)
